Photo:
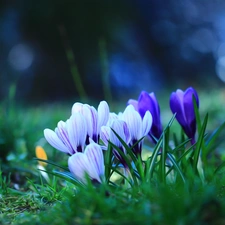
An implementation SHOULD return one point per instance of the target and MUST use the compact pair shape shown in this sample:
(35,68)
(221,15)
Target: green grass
(26,198)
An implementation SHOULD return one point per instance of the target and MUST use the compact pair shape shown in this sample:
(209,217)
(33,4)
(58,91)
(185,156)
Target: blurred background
(60,50)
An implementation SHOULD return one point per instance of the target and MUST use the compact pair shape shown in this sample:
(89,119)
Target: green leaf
(221,166)
(199,144)
(197,115)
(52,163)
(176,166)
(210,143)
(181,157)
(128,163)
(157,148)
(108,162)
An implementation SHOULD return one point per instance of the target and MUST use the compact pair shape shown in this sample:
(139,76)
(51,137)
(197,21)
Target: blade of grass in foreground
(176,166)
(52,163)
(158,147)
(210,143)
(199,144)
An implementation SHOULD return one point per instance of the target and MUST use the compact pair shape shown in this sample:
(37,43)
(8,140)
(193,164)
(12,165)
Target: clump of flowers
(100,143)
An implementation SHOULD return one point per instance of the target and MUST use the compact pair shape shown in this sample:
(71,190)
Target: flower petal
(188,104)
(145,104)
(103,115)
(95,156)
(90,162)
(147,123)
(77,130)
(77,107)
(176,105)
(105,134)
(79,165)
(133,103)
(134,122)
(54,140)
(62,133)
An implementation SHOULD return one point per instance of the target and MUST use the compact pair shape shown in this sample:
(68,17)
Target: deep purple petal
(189,110)
(145,104)
(189,106)
(176,106)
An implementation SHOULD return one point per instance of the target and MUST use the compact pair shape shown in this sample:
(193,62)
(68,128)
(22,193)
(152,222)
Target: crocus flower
(107,134)
(95,119)
(138,127)
(181,103)
(148,102)
(90,162)
(69,136)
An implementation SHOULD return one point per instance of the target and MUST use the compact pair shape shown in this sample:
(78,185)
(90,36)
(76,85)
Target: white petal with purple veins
(105,134)
(147,123)
(133,121)
(95,157)
(54,140)
(90,162)
(77,130)
(103,115)
(62,133)
(77,107)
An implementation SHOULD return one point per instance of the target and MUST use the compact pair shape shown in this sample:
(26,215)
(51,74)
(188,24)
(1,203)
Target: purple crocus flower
(148,102)
(181,103)
(90,162)
(69,136)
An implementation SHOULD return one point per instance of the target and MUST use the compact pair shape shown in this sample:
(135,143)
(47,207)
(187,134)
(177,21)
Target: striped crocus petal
(91,162)
(134,122)
(121,128)
(77,131)
(77,107)
(105,135)
(89,115)
(94,119)
(55,141)
(62,133)
(147,123)
(69,136)
(103,115)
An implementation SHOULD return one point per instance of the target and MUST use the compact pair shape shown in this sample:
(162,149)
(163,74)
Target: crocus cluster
(89,131)
(80,135)
(181,104)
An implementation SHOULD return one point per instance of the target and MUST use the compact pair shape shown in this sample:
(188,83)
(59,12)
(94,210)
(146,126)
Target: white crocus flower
(69,136)
(90,162)
(107,134)
(137,126)
(95,119)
